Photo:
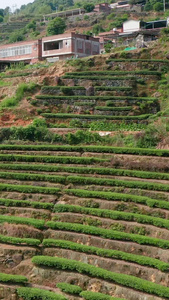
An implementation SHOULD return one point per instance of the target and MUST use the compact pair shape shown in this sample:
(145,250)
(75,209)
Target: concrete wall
(131,25)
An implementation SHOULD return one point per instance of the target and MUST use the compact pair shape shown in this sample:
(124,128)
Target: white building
(131,26)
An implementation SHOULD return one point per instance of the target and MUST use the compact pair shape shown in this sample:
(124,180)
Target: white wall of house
(131,26)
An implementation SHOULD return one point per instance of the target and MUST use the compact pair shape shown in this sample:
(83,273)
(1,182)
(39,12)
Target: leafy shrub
(158,6)
(69,288)
(26,203)
(28,189)
(9,278)
(56,26)
(88,7)
(87,295)
(16,240)
(20,220)
(38,294)
(22,89)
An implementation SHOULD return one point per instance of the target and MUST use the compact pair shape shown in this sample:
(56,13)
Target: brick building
(102,7)
(69,45)
(53,48)
(22,51)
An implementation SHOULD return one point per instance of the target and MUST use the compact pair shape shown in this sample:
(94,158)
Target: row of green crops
(97,149)
(109,234)
(32,177)
(9,278)
(114,215)
(115,73)
(35,293)
(116,182)
(122,279)
(99,98)
(138,60)
(125,108)
(113,88)
(114,254)
(87,170)
(21,220)
(86,180)
(69,288)
(95,77)
(92,230)
(92,117)
(20,241)
(110,196)
(87,295)
(51,159)
(28,189)
(26,203)
(76,290)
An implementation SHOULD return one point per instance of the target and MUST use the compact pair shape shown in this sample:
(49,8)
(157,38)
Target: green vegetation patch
(112,73)
(113,214)
(21,220)
(114,254)
(107,108)
(26,203)
(109,234)
(69,288)
(19,241)
(50,159)
(40,294)
(28,189)
(110,196)
(81,149)
(91,117)
(122,279)
(116,182)
(9,278)
(88,295)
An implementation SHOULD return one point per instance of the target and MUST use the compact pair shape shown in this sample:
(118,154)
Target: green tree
(1,12)
(158,6)
(56,26)
(108,46)
(32,25)
(97,28)
(148,6)
(1,19)
(16,36)
(88,7)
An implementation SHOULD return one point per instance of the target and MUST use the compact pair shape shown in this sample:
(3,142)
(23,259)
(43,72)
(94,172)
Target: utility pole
(164,4)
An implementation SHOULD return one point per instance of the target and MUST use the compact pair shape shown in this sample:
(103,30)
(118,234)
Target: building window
(80,45)
(55,45)
(95,48)
(15,51)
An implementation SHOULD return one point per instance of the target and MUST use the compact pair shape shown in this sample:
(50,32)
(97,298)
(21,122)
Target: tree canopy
(56,26)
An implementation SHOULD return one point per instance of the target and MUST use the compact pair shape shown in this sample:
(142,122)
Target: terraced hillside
(113,95)
(74,226)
